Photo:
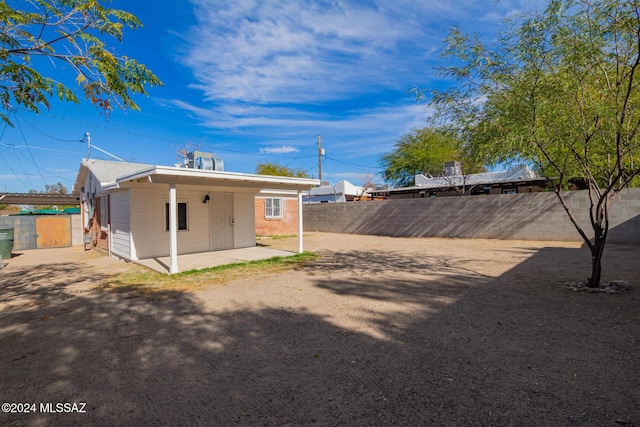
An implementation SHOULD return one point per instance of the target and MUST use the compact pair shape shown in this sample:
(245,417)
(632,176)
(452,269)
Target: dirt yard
(377,331)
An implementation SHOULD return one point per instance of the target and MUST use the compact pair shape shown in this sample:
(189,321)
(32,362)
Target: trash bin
(6,242)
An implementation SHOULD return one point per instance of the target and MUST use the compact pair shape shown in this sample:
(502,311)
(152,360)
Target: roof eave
(260,181)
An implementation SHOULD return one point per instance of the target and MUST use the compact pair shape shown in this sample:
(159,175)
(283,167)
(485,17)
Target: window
(104,212)
(273,208)
(182,216)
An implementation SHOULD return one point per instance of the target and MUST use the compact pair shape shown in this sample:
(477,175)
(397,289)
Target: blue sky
(255,81)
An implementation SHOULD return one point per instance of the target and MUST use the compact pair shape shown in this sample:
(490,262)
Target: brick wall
(533,216)
(286,225)
(99,237)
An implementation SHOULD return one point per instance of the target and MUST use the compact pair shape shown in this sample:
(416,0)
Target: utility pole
(87,136)
(320,154)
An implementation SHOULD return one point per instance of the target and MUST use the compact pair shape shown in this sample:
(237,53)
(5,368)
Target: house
(276,214)
(342,191)
(519,179)
(138,211)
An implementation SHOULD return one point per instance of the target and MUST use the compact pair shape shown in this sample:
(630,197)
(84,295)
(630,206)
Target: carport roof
(117,174)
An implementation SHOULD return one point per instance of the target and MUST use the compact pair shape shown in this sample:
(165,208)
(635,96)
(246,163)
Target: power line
(33,159)
(49,172)
(112,129)
(47,135)
(363,167)
(33,147)
(24,171)
(310,168)
(16,172)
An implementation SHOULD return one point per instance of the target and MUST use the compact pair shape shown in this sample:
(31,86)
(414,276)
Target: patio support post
(300,228)
(173,229)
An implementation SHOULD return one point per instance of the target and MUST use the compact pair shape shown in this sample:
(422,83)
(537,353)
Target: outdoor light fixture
(206,199)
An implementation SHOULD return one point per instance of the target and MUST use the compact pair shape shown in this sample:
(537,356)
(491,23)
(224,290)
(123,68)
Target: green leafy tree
(560,90)
(425,151)
(9,208)
(69,32)
(274,169)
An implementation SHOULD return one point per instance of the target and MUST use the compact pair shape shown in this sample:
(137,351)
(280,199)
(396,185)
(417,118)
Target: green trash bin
(6,242)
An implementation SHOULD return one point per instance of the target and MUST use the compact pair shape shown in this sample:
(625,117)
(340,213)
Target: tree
(272,168)
(424,151)
(182,152)
(68,32)
(368,184)
(559,90)
(10,208)
(57,188)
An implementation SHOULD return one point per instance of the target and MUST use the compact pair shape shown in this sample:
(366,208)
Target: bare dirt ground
(377,331)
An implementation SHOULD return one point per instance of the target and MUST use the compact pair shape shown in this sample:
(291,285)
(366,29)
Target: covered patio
(175,218)
(201,260)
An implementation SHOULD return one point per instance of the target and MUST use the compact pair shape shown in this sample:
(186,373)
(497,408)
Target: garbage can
(6,242)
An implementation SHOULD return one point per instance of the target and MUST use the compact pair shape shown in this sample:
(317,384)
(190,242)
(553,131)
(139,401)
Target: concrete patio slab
(202,260)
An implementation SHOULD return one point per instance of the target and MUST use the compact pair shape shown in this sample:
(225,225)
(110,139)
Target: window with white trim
(104,212)
(182,216)
(272,207)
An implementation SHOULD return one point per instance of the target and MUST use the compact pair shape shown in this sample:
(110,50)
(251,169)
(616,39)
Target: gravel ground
(377,331)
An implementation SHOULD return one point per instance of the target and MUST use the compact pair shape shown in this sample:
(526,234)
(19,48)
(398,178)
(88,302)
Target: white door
(221,221)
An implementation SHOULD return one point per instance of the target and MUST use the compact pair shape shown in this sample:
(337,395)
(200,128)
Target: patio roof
(186,176)
(118,175)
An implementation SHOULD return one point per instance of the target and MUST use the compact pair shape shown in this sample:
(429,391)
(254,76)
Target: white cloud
(279,73)
(294,52)
(371,129)
(279,150)
(308,52)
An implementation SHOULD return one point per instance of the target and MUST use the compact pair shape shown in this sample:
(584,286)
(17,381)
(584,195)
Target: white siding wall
(91,186)
(148,224)
(245,220)
(150,238)
(120,224)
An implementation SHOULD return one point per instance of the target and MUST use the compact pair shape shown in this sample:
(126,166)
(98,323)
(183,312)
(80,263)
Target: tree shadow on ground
(481,351)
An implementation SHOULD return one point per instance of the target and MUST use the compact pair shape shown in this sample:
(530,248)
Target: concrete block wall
(526,216)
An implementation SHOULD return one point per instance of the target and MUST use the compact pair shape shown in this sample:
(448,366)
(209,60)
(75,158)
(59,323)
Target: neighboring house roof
(116,174)
(517,173)
(520,173)
(341,187)
(65,211)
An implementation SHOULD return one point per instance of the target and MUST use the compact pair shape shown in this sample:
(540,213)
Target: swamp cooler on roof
(204,161)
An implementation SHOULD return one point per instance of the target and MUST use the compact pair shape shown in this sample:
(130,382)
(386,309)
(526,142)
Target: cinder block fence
(526,216)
